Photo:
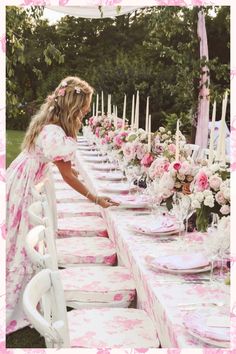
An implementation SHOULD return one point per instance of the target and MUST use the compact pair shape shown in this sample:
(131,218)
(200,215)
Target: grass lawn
(14,139)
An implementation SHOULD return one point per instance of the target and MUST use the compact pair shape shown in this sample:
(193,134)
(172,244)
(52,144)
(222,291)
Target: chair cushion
(98,284)
(81,226)
(69,196)
(111,328)
(77,209)
(95,250)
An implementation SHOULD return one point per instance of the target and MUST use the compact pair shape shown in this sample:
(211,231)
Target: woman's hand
(106,202)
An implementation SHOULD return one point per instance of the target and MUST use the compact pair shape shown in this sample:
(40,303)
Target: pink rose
(185,168)
(147,160)
(201,181)
(220,198)
(177,166)
(215,182)
(172,149)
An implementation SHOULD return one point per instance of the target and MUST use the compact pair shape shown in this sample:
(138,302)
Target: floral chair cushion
(81,226)
(98,284)
(94,250)
(77,209)
(111,328)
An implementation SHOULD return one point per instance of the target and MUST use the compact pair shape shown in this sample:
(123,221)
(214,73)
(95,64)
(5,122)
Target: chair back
(46,256)
(193,150)
(53,324)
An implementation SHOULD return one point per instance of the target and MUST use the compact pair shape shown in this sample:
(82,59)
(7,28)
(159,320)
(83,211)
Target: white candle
(108,104)
(149,133)
(97,105)
(124,113)
(222,125)
(93,109)
(212,135)
(147,115)
(177,142)
(102,104)
(222,155)
(137,111)
(116,112)
(132,113)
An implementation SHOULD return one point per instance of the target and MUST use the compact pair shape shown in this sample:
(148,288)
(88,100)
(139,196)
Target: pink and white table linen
(159,294)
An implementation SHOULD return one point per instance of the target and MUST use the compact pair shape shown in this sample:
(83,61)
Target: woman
(51,137)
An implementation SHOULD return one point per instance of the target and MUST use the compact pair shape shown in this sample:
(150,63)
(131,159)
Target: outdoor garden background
(154,50)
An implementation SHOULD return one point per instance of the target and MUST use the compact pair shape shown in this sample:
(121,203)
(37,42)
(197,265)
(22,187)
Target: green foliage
(154,50)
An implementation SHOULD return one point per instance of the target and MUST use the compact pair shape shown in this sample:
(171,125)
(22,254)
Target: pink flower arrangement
(172,149)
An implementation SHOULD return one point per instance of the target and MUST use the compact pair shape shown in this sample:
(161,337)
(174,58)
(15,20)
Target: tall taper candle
(137,111)
(124,113)
(102,104)
(212,135)
(149,133)
(222,124)
(97,105)
(177,142)
(147,115)
(132,113)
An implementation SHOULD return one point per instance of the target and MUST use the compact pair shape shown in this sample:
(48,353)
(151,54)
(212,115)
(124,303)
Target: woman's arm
(70,178)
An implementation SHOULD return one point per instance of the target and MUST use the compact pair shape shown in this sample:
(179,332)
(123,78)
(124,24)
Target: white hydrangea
(209,201)
(199,196)
(162,130)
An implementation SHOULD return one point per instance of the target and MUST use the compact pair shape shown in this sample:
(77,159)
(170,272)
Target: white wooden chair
(88,251)
(83,328)
(84,286)
(70,226)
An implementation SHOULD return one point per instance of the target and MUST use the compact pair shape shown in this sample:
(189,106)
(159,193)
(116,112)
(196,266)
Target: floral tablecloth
(159,294)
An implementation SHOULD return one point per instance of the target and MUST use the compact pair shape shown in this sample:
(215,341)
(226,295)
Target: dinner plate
(180,263)
(95,159)
(104,167)
(195,323)
(110,176)
(146,226)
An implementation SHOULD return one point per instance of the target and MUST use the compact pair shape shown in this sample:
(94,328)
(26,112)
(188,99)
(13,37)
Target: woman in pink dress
(51,137)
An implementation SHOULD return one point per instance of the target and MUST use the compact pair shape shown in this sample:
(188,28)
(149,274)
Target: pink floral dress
(26,170)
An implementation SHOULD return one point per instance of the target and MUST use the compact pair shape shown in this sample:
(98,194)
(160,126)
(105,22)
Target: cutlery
(217,303)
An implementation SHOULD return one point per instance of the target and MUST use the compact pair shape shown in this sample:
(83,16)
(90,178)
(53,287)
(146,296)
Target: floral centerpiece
(211,193)
(170,177)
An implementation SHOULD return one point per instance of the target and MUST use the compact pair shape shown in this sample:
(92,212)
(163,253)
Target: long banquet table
(159,294)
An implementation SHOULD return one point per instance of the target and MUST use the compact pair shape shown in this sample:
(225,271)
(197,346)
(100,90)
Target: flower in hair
(64,84)
(62,92)
(77,89)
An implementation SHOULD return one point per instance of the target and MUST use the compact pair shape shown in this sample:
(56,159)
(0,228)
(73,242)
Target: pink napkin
(184,261)
(196,322)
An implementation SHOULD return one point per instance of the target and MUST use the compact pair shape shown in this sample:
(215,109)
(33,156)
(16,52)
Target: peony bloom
(201,181)
(147,160)
(141,150)
(129,151)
